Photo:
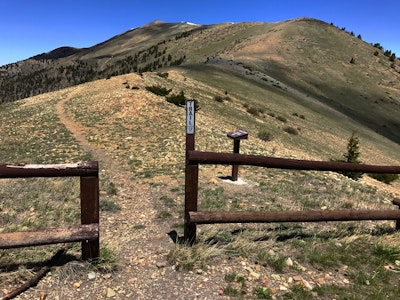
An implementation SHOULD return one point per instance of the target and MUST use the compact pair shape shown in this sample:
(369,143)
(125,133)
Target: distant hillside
(57,53)
(310,60)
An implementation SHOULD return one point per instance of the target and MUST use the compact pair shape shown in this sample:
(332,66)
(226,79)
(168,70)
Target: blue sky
(30,27)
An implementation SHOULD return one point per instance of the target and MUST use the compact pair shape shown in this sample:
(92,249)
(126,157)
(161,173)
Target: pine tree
(352,156)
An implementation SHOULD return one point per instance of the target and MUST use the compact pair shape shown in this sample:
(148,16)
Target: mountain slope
(336,68)
(311,61)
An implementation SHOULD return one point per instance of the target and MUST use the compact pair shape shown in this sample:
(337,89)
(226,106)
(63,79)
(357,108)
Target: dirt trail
(71,125)
(134,233)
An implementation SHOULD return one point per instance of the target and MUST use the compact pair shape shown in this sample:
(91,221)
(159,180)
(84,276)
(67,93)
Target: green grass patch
(109,205)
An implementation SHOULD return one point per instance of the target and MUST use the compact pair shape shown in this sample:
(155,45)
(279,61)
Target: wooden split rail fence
(194,217)
(87,233)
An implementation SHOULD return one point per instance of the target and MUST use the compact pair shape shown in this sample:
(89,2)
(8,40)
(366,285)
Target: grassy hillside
(329,65)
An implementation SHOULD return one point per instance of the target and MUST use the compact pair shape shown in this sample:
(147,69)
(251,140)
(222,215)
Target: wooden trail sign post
(191,173)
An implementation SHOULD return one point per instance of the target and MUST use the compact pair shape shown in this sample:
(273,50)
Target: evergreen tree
(353,152)
(352,156)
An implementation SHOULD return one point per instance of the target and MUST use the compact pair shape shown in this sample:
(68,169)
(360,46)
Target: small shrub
(298,292)
(164,215)
(110,188)
(262,293)
(253,111)
(237,284)
(177,99)
(291,130)
(108,205)
(196,256)
(163,75)
(241,280)
(158,90)
(230,277)
(277,263)
(299,116)
(231,291)
(386,178)
(281,118)
(107,262)
(264,135)
(219,98)
(168,201)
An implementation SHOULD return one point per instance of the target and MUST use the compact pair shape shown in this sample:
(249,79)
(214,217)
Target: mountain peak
(155,22)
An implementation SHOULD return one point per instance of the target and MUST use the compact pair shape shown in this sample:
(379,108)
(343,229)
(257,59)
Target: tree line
(32,77)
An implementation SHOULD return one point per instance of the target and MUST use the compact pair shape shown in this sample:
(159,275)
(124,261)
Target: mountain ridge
(302,56)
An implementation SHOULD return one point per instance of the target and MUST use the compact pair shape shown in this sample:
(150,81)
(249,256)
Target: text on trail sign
(190,116)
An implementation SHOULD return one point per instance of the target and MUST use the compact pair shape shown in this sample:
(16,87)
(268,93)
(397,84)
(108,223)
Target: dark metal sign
(190,107)
(238,134)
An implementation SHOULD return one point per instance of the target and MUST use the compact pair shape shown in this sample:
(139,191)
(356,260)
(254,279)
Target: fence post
(191,174)
(90,214)
(396,201)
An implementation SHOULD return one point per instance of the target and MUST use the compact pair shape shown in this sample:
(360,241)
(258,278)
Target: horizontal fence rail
(199,157)
(215,217)
(87,233)
(49,236)
(86,168)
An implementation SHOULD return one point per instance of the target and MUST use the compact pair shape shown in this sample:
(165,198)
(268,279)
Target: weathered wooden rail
(87,233)
(193,217)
